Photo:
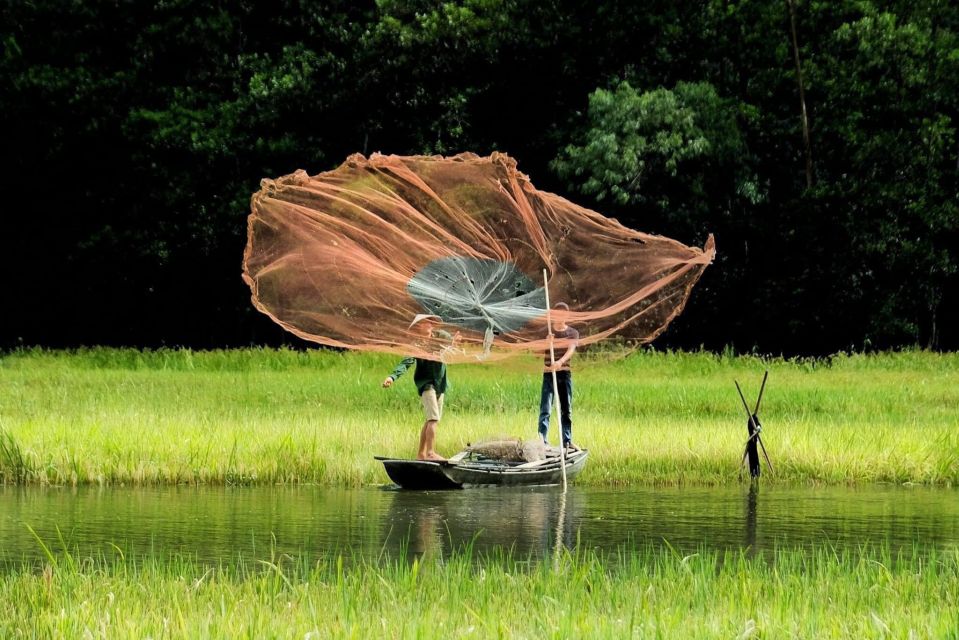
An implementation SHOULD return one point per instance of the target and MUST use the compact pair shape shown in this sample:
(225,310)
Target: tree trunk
(933,342)
(802,93)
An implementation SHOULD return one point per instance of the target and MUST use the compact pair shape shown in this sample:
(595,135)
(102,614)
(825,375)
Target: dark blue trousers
(564,380)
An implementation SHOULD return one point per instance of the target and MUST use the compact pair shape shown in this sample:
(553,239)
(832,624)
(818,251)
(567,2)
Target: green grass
(650,594)
(278,416)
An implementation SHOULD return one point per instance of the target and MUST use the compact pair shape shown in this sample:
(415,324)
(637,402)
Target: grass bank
(266,416)
(652,594)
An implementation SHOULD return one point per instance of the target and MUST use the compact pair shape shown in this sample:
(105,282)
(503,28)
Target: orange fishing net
(349,257)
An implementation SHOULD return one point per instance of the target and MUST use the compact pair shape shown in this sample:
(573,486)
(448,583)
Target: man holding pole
(564,378)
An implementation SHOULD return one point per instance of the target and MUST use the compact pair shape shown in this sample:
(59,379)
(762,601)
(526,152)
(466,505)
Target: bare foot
(433,457)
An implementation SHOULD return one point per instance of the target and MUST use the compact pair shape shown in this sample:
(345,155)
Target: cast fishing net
(347,258)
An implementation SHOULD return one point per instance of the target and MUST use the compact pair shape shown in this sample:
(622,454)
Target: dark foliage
(135,133)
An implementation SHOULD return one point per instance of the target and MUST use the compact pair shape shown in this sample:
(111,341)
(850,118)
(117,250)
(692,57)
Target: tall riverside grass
(265,416)
(656,593)
(13,464)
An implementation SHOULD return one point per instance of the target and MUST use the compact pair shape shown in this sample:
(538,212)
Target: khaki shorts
(432,404)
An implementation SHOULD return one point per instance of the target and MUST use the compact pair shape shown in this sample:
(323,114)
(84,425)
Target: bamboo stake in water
(752,422)
(762,388)
(552,364)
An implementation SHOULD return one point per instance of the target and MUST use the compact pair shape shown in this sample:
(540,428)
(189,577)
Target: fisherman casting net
(348,257)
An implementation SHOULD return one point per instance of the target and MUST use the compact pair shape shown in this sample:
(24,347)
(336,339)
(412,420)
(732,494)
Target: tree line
(815,139)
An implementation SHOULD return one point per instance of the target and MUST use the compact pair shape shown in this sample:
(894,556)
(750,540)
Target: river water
(224,523)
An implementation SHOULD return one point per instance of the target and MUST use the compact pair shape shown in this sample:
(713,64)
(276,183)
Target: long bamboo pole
(552,363)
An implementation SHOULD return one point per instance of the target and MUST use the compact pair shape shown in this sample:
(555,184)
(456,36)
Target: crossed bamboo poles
(754,430)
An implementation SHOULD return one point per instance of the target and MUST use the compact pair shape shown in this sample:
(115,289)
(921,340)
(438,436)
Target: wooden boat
(462,471)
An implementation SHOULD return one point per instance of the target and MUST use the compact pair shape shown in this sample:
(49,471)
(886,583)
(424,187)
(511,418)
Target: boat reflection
(535,521)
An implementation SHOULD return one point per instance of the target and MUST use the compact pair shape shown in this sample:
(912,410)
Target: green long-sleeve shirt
(428,372)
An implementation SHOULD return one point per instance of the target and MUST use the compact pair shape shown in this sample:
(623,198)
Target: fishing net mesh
(349,257)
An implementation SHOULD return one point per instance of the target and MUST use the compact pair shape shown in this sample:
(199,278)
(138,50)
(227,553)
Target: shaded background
(136,132)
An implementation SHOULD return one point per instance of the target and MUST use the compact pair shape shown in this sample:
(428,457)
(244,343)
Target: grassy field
(656,594)
(106,416)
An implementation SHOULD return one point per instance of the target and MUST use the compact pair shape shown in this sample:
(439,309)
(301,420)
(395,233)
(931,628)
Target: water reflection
(752,501)
(220,524)
(528,521)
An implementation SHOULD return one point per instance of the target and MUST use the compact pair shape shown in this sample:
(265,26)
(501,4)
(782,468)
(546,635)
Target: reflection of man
(564,379)
(430,379)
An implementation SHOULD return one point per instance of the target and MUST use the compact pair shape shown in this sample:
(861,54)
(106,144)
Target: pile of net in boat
(509,450)
(349,257)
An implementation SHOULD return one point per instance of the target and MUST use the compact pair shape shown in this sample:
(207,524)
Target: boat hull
(427,475)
